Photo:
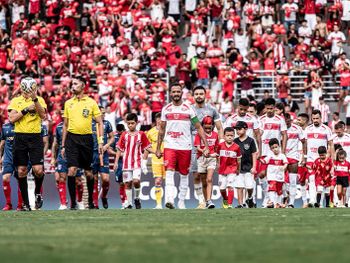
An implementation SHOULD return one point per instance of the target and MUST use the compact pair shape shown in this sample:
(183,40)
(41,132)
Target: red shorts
(275,186)
(178,160)
(261,167)
(302,174)
(292,161)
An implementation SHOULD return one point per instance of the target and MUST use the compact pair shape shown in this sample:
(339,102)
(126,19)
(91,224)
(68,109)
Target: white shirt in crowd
(346,10)
(336,38)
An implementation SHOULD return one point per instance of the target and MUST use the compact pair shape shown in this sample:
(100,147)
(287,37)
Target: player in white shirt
(343,139)
(276,163)
(295,136)
(271,126)
(242,114)
(175,129)
(316,134)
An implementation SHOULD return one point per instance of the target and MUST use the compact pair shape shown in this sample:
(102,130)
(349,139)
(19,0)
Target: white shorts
(128,175)
(245,180)
(321,188)
(206,163)
(226,180)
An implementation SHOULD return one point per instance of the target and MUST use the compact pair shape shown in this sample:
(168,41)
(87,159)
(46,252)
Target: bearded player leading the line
(317,134)
(175,128)
(26,112)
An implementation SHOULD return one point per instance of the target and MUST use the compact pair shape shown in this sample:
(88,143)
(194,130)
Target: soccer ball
(28,84)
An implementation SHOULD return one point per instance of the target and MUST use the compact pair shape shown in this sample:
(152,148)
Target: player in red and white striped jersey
(132,143)
(242,115)
(271,126)
(175,128)
(295,135)
(342,138)
(316,134)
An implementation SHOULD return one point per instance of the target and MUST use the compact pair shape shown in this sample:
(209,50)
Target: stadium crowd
(129,52)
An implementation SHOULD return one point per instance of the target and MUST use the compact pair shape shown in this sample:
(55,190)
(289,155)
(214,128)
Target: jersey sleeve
(283,125)
(255,124)
(109,128)
(197,140)
(66,112)
(13,105)
(42,102)
(162,116)
(121,143)
(193,116)
(216,115)
(95,110)
(329,134)
(145,143)
(228,122)
(2,138)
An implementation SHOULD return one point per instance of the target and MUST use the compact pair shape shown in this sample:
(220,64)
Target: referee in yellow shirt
(26,112)
(77,140)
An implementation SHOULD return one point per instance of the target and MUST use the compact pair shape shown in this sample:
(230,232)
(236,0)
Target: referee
(26,112)
(77,140)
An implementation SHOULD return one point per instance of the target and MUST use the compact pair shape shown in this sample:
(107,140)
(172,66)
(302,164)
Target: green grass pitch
(245,235)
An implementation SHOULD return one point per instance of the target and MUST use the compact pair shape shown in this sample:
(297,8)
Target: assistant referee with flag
(77,140)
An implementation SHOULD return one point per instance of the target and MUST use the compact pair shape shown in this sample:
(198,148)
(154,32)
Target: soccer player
(276,163)
(342,173)
(272,126)
(61,169)
(342,138)
(158,168)
(202,110)
(132,143)
(175,130)
(6,165)
(26,112)
(317,134)
(229,156)
(77,141)
(245,179)
(295,136)
(102,168)
(322,169)
(242,114)
(303,122)
(206,166)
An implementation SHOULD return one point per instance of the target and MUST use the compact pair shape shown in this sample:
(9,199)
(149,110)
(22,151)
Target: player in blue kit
(61,169)
(8,169)
(97,166)
(6,165)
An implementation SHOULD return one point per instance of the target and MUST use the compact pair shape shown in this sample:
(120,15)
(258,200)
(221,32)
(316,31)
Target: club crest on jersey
(276,162)
(86,113)
(176,116)
(246,146)
(269,126)
(316,135)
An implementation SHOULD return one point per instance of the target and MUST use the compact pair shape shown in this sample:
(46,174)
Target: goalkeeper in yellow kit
(157,164)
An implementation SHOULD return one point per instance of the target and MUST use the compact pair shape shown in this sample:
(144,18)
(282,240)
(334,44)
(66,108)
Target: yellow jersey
(152,136)
(31,122)
(79,113)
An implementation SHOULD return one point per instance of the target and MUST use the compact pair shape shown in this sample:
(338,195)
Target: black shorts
(79,151)
(28,147)
(343,181)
